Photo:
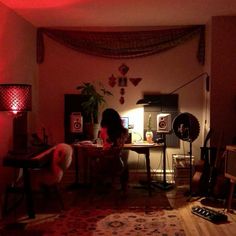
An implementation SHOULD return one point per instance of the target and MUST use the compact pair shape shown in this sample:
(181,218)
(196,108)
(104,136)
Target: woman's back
(112,130)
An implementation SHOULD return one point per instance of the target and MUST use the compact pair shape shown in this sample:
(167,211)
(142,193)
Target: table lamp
(16,99)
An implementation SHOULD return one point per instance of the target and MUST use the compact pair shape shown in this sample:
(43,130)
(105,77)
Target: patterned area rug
(106,222)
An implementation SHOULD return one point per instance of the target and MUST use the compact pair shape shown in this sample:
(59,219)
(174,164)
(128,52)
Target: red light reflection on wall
(37,4)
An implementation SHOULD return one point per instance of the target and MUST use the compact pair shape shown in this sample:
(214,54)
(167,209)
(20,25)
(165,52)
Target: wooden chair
(108,167)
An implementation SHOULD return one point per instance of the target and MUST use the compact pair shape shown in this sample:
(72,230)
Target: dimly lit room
(117,117)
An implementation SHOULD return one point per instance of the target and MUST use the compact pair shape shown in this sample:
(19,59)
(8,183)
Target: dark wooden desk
(32,159)
(138,148)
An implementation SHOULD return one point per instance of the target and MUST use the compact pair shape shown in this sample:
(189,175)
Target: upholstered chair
(48,179)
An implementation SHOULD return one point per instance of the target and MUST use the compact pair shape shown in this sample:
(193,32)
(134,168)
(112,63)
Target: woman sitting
(113,160)
(112,132)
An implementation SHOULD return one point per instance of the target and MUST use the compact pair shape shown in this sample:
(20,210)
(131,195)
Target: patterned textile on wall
(123,44)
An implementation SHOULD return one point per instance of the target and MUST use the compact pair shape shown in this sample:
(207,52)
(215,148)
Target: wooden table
(138,148)
(31,159)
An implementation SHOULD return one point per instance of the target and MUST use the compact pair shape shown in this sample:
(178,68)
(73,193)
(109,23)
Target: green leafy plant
(149,125)
(95,99)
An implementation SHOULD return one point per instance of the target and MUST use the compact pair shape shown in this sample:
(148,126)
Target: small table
(29,160)
(140,148)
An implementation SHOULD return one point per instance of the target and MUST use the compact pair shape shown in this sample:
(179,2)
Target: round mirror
(186,127)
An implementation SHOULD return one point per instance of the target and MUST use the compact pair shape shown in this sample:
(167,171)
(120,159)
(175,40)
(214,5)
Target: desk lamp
(16,100)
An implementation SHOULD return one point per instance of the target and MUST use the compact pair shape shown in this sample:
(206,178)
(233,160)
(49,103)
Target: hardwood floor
(174,198)
(195,225)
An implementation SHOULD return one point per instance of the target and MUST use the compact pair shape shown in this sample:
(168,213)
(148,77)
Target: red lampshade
(15,97)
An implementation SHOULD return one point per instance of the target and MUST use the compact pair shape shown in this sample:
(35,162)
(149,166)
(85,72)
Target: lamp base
(20,135)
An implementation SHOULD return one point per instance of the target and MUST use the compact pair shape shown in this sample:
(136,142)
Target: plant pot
(95,130)
(88,131)
(91,131)
(149,136)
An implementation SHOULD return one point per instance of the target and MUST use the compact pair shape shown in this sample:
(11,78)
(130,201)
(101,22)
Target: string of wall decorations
(122,81)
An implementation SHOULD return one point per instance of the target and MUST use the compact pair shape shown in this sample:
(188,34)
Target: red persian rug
(99,222)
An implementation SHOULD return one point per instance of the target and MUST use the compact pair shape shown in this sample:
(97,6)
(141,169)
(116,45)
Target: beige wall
(223,93)
(64,69)
(17,65)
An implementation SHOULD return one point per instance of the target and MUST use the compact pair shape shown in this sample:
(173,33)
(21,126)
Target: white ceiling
(83,13)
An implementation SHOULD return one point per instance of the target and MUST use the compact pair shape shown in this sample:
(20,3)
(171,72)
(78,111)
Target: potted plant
(94,100)
(149,133)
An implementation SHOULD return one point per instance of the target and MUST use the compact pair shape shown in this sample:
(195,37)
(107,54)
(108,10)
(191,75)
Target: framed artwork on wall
(122,82)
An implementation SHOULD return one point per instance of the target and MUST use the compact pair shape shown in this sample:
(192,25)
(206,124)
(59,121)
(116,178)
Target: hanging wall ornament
(122,91)
(112,81)
(123,69)
(122,81)
(135,81)
(122,100)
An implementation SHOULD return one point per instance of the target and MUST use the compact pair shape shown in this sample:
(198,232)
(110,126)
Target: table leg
(28,193)
(148,167)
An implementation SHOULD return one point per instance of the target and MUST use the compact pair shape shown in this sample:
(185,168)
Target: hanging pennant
(135,81)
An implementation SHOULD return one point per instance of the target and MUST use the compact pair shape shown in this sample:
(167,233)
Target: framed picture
(122,82)
(125,121)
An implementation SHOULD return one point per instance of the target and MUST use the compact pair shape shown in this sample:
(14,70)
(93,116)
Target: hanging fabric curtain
(125,44)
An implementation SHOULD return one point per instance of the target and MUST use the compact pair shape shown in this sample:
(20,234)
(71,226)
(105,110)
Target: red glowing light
(15,97)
